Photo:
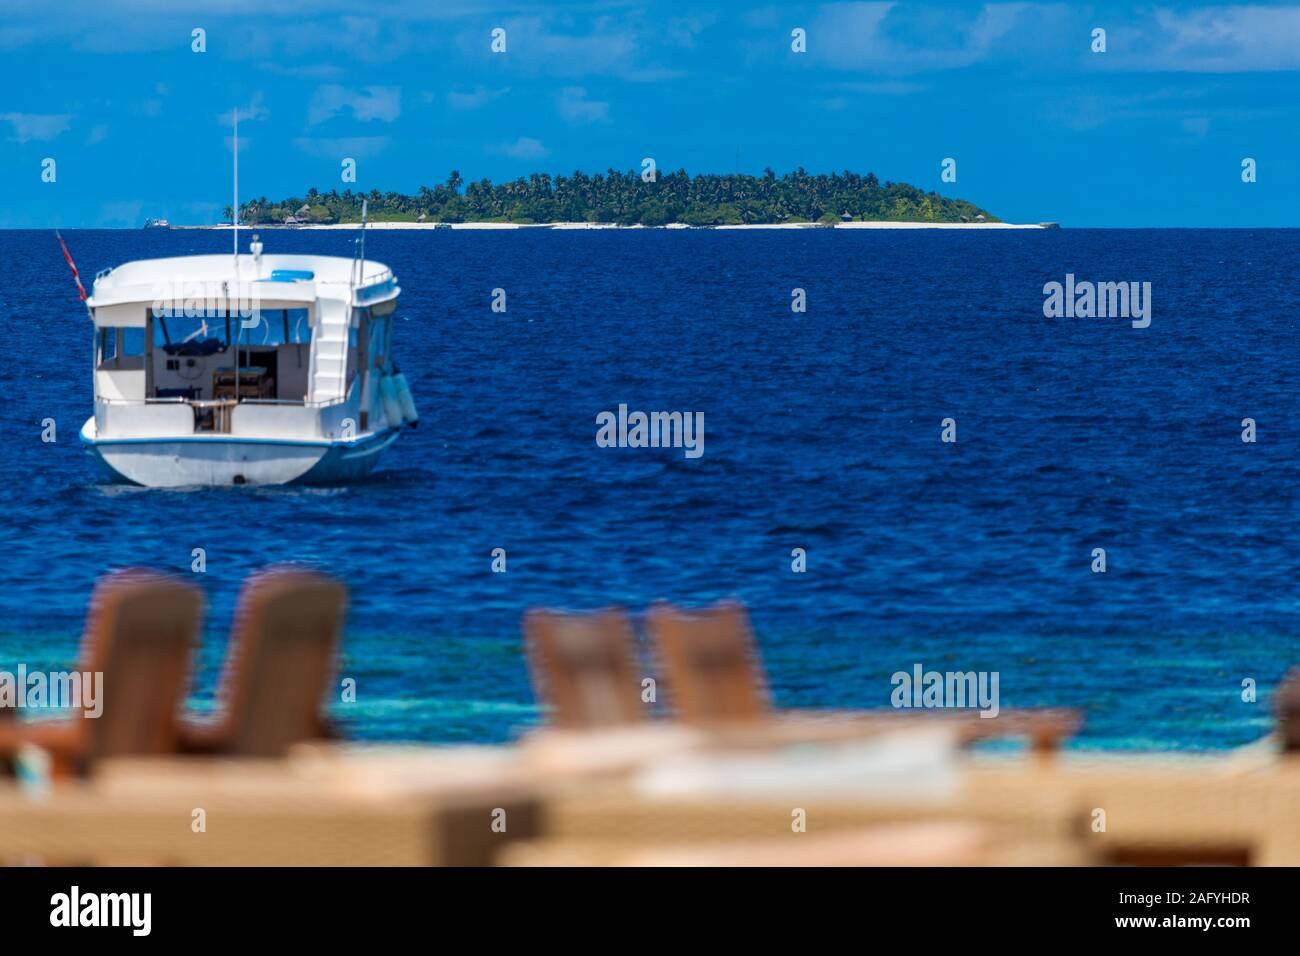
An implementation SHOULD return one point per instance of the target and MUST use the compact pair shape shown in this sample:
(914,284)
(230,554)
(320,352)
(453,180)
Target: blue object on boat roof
(290,275)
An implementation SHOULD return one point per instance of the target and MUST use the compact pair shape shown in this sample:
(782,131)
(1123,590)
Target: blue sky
(1150,133)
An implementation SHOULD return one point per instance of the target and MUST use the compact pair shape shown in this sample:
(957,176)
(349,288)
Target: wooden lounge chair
(584,667)
(1287,709)
(278,667)
(711,664)
(141,630)
(714,678)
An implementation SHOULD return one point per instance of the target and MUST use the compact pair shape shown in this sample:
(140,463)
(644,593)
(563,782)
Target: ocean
(822,431)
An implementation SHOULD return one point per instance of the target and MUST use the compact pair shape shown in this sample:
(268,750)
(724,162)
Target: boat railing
(142,401)
(291,401)
(177,400)
(379,280)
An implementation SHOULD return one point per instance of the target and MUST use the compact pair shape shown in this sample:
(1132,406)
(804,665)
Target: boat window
(133,341)
(278,327)
(179,335)
(107,345)
(120,349)
(299,326)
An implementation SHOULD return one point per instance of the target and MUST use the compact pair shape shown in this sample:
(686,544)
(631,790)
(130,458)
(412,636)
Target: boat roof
(293,278)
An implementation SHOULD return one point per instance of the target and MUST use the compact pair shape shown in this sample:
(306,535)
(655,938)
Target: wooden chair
(140,634)
(711,665)
(584,667)
(715,678)
(278,666)
(1287,708)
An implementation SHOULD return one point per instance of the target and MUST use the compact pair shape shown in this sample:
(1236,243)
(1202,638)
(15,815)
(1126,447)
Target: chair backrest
(711,667)
(141,632)
(1287,706)
(280,661)
(584,667)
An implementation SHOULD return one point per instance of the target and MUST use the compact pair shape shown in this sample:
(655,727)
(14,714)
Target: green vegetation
(625,198)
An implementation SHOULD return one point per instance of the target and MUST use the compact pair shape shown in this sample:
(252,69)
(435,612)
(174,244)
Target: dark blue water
(822,431)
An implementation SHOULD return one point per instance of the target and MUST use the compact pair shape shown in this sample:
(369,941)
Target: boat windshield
(277,327)
(179,335)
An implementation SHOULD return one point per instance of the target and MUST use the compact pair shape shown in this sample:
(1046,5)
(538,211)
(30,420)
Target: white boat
(244,369)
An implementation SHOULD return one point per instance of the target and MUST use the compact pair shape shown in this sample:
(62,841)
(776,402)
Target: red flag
(71,265)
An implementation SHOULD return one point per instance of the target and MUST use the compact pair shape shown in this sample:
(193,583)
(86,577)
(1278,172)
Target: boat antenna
(234,209)
(359,268)
(234,221)
(364,207)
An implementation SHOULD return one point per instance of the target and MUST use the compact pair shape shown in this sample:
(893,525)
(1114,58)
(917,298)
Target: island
(616,198)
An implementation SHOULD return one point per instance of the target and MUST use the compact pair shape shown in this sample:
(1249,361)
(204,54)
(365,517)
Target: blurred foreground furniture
(322,805)
(584,668)
(733,809)
(1162,810)
(278,666)
(140,634)
(923,844)
(710,663)
(790,804)
(910,798)
(715,678)
(1287,709)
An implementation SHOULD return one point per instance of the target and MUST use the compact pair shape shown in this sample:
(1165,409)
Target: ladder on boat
(329,368)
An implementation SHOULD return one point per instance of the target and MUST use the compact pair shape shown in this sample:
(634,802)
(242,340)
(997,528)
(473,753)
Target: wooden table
(253,382)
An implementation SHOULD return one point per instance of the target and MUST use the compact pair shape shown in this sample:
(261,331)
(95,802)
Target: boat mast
(361,278)
(359,257)
(234,252)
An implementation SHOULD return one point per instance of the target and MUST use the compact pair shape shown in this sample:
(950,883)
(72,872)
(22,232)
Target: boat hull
(224,460)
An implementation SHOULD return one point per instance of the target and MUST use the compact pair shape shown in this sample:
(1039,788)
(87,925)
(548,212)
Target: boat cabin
(253,345)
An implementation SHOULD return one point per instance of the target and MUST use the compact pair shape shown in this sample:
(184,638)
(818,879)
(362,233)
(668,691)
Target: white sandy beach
(610,225)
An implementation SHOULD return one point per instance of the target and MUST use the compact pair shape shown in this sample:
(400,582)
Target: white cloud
(383,103)
(683,31)
(356,147)
(37,126)
(891,38)
(1085,108)
(525,147)
(255,110)
(607,45)
(575,108)
(310,71)
(474,99)
(1211,40)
